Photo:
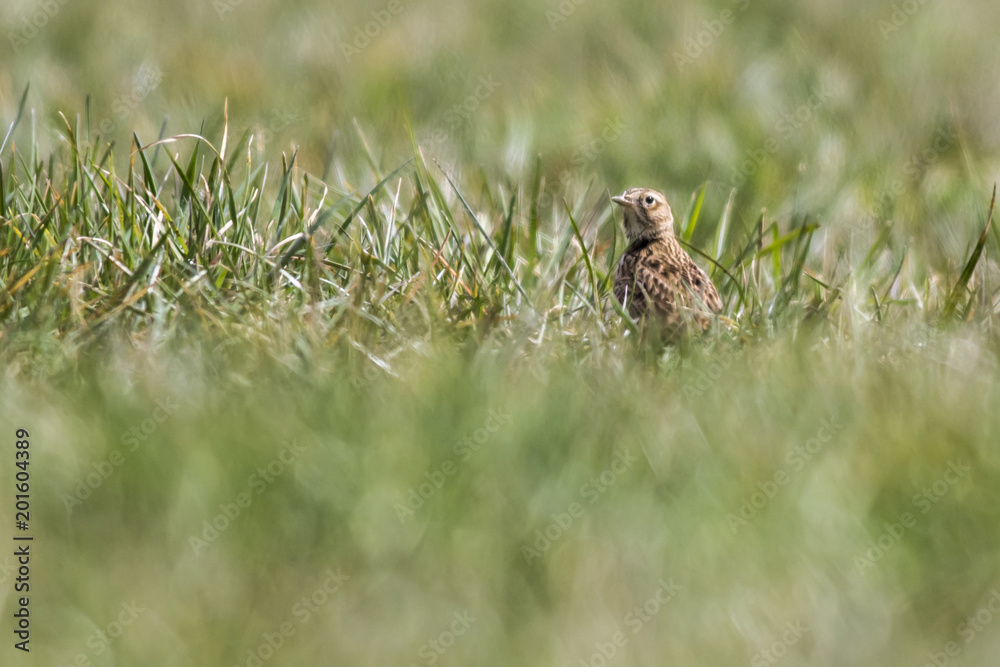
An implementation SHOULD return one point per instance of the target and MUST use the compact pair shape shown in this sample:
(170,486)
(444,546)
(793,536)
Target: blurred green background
(872,118)
(688,90)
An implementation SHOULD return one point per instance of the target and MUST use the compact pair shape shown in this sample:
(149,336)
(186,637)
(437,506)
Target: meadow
(305,311)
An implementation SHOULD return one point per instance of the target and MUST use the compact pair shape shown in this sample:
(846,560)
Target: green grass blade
(586,259)
(970,266)
(17,119)
(489,241)
(694,212)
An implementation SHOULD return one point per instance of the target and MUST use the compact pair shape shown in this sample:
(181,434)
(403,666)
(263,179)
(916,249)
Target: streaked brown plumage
(656,278)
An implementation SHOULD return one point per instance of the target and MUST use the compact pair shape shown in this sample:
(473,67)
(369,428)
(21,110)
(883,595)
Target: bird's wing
(696,283)
(666,279)
(679,290)
(656,286)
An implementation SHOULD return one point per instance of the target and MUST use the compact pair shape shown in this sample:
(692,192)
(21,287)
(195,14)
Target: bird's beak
(621,200)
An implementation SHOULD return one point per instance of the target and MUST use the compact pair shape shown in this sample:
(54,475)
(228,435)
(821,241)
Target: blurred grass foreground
(305,309)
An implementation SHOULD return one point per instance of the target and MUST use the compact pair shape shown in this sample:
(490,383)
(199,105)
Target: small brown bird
(655,278)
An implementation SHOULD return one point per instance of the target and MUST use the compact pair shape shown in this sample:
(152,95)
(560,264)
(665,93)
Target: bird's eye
(649,200)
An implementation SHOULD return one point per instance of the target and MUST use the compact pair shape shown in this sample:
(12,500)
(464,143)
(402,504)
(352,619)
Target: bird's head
(647,213)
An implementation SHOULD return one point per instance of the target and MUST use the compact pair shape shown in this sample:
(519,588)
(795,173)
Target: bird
(655,278)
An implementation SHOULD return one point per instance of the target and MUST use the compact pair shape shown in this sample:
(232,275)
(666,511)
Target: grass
(206,234)
(313,402)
